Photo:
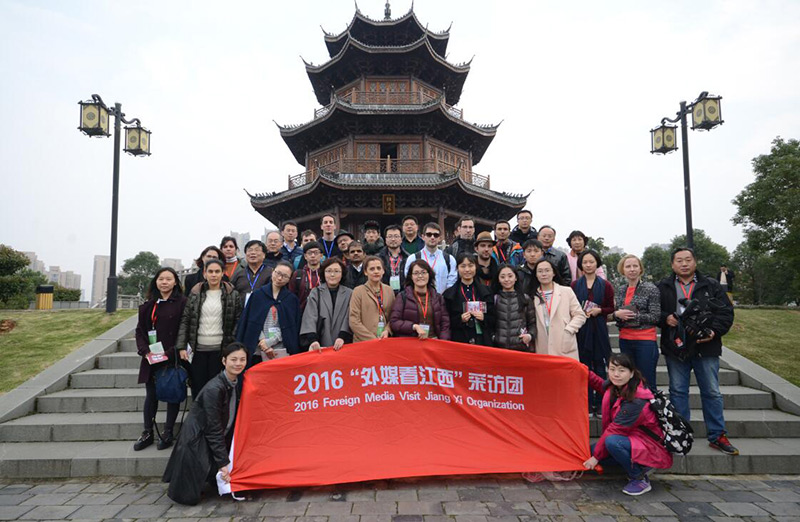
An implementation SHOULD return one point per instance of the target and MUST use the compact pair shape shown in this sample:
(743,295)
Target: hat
(371,225)
(484,237)
(343,233)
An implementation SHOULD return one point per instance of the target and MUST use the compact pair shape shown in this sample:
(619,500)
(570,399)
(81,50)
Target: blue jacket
(251,323)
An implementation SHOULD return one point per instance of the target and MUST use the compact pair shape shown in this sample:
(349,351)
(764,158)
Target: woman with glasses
(470,305)
(326,319)
(419,310)
(270,324)
(371,304)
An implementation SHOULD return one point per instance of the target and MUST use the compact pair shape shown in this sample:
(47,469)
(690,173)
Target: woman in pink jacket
(626,409)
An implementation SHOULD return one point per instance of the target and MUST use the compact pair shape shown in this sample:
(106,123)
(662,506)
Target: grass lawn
(41,338)
(770,338)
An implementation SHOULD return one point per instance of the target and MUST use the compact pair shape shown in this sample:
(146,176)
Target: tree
(139,270)
(598,244)
(709,255)
(760,276)
(17,282)
(656,263)
(611,261)
(769,206)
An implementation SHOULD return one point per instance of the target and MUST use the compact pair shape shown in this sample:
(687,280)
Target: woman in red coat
(157,329)
(419,310)
(626,408)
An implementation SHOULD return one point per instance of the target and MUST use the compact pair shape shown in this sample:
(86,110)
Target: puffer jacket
(190,320)
(513,311)
(405,314)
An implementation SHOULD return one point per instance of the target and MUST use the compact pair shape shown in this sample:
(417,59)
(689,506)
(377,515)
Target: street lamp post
(94,122)
(706,115)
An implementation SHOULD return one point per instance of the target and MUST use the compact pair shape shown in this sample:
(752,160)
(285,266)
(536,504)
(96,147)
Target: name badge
(381,328)
(394,282)
(157,348)
(247,298)
(426,328)
(273,332)
(151,337)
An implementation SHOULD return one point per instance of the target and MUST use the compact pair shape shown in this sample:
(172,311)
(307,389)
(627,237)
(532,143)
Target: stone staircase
(88,429)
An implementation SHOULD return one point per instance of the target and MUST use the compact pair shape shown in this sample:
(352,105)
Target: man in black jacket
(466,237)
(693,341)
(523,231)
(547,236)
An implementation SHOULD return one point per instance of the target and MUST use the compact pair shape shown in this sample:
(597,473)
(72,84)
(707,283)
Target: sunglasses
(432,234)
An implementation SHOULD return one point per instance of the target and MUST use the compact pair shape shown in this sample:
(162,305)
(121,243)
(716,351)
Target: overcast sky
(577,84)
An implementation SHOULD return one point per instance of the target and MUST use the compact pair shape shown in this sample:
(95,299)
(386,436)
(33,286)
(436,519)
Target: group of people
(510,290)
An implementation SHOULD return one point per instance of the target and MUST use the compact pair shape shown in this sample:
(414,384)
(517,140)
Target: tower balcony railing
(354,97)
(389,166)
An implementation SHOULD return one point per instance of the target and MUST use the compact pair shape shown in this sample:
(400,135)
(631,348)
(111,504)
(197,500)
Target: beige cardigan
(364,312)
(566,318)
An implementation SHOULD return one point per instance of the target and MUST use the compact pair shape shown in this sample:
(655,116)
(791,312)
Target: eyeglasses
(432,234)
(280,275)
(419,274)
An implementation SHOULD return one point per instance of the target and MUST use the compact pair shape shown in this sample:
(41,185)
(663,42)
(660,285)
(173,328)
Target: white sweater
(209,331)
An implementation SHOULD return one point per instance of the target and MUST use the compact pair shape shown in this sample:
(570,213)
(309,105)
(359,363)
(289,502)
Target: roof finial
(387,13)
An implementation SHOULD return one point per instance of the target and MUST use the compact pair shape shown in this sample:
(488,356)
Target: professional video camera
(697,317)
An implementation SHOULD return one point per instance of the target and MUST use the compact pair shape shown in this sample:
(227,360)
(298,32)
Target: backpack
(678,432)
(418,256)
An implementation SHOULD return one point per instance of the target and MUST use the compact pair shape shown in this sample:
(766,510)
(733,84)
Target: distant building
(54,275)
(35,264)
(616,250)
(172,262)
(241,239)
(100,277)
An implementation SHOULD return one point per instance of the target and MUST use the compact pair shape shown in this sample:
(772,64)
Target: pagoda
(388,140)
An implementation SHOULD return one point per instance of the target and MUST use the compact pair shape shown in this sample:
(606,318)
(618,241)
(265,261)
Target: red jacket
(624,418)
(405,314)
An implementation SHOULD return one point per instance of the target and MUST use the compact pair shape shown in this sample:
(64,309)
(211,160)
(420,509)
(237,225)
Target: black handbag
(171,383)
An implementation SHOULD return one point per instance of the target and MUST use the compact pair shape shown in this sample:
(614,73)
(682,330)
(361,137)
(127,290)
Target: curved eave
(335,42)
(350,64)
(361,181)
(335,125)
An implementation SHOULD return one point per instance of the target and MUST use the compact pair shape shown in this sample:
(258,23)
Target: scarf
(593,343)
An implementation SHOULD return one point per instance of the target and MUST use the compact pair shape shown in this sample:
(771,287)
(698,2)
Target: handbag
(171,383)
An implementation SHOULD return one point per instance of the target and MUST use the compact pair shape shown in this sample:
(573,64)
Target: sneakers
(145,440)
(724,445)
(637,487)
(164,440)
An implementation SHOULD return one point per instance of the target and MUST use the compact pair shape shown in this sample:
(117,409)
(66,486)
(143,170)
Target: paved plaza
(495,498)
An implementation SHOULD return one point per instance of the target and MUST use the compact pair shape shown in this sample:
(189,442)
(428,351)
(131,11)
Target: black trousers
(151,408)
(205,366)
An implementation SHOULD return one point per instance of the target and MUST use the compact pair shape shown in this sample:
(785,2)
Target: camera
(697,317)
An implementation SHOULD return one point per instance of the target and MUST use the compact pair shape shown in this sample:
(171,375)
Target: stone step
(80,459)
(739,424)
(116,378)
(117,458)
(127,345)
(119,361)
(75,427)
(726,377)
(92,400)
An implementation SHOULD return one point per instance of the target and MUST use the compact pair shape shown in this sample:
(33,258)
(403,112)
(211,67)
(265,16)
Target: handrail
(389,98)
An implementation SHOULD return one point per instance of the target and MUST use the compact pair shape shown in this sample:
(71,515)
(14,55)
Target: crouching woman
(626,416)
(205,438)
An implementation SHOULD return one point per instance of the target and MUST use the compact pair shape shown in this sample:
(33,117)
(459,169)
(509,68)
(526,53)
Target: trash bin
(44,297)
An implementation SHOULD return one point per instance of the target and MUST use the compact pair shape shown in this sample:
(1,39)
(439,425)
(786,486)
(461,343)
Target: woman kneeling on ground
(204,442)
(626,414)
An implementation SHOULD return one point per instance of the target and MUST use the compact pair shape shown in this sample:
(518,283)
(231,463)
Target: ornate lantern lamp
(94,118)
(137,140)
(663,139)
(706,113)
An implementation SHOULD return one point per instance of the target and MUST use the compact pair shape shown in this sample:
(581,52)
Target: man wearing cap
(343,239)
(373,243)
(487,265)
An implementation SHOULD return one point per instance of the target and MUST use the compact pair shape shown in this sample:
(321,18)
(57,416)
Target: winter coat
(621,417)
(243,276)
(251,325)
(459,246)
(520,237)
(354,277)
(365,310)
(706,290)
(202,446)
(320,323)
(303,281)
(559,260)
(190,321)
(406,313)
(290,257)
(509,253)
(513,312)
(372,249)
(566,318)
(646,299)
(466,332)
(387,267)
(168,322)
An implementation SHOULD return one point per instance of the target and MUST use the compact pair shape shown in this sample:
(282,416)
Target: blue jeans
(706,370)
(619,447)
(645,357)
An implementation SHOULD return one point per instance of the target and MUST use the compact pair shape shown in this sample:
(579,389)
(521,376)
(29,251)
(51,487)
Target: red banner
(404,407)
